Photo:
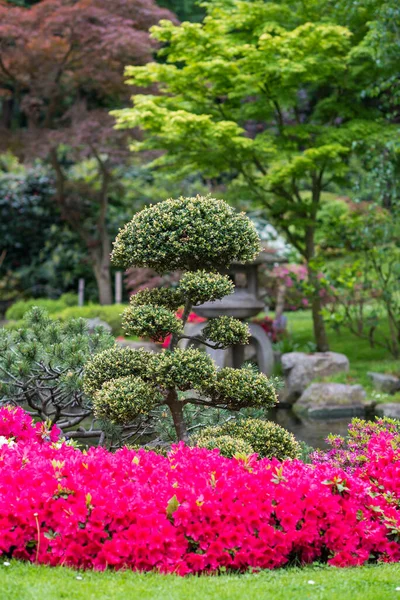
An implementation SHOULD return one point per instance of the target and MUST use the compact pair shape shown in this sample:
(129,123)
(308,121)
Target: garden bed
(194,511)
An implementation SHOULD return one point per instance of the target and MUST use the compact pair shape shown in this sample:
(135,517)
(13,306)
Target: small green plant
(17,311)
(41,368)
(198,236)
(227,445)
(266,438)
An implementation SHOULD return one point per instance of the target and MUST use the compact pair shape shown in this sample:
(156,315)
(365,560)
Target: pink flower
(195,511)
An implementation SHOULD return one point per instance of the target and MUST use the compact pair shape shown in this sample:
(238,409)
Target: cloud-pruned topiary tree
(198,236)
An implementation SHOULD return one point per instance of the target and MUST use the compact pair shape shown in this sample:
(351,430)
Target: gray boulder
(300,369)
(390,384)
(324,400)
(97,322)
(389,409)
(136,345)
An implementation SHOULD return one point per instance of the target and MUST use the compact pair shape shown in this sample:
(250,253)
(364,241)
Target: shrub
(110,314)
(150,320)
(124,399)
(240,388)
(183,369)
(266,438)
(200,286)
(193,511)
(115,362)
(168,298)
(188,234)
(226,331)
(17,311)
(351,452)
(226,444)
(41,366)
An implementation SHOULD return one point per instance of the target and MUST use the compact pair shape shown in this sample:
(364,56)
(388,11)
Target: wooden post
(118,287)
(81,292)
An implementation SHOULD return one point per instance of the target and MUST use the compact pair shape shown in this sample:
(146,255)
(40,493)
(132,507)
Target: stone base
(389,384)
(136,345)
(332,400)
(300,369)
(389,409)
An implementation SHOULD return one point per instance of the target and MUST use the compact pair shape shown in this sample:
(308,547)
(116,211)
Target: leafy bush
(193,511)
(186,234)
(226,444)
(17,311)
(110,314)
(124,399)
(266,438)
(113,363)
(351,452)
(41,366)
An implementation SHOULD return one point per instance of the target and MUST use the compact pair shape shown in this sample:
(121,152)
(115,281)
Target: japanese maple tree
(61,70)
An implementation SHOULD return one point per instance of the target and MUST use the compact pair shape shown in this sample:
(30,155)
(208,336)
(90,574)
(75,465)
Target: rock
(389,409)
(136,345)
(96,322)
(300,369)
(324,400)
(390,384)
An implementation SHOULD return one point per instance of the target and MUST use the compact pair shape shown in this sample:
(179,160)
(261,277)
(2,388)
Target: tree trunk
(99,249)
(320,335)
(101,269)
(176,409)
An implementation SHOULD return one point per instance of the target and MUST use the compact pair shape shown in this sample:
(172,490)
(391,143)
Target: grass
(22,581)
(362,357)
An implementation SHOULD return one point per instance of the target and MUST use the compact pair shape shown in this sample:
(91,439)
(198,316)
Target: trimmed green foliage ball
(184,369)
(268,439)
(228,446)
(113,364)
(226,331)
(123,400)
(168,298)
(186,234)
(241,388)
(201,286)
(154,322)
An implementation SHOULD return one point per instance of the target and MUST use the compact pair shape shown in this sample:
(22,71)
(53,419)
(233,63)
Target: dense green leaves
(168,298)
(155,322)
(273,98)
(115,363)
(264,437)
(42,363)
(187,233)
(238,388)
(123,400)
(199,286)
(226,331)
(184,369)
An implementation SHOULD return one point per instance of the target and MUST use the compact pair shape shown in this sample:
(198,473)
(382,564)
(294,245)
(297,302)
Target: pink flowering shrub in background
(353,451)
(294,278)
(192,511)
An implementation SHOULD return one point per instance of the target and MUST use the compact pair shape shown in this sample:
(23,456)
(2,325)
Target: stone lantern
(243,304)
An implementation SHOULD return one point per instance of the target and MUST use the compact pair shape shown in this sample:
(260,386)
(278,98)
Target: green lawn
(21,581)
(362,357)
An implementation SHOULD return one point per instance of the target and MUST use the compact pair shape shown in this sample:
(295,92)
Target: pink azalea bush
(297,288)
(353,451)
(192,511)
